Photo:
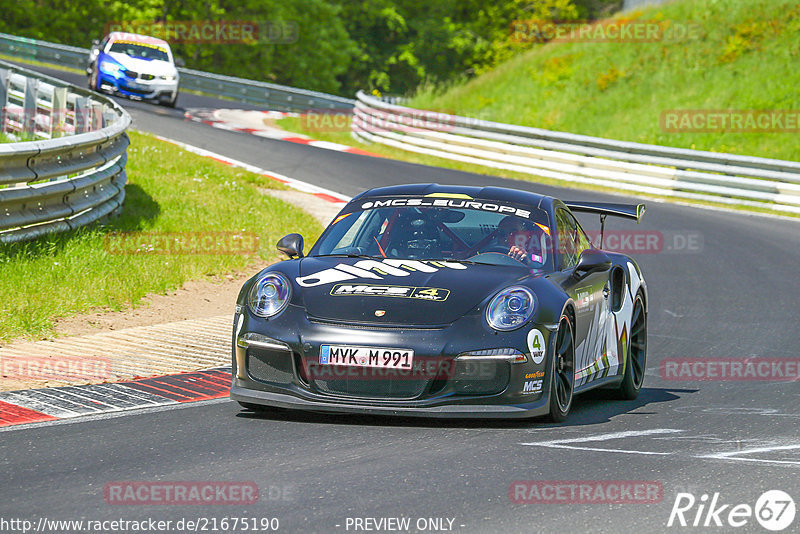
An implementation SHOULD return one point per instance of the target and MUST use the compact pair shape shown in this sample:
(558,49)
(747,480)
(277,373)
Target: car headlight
(111,68)
(168,77)
(269,295)
(511,308)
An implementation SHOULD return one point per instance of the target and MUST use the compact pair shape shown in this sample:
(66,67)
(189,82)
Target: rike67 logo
(774,510)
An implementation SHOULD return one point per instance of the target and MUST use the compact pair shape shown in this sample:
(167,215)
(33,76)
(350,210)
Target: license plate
(366,356)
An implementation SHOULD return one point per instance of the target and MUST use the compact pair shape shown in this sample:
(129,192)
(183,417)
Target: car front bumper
(280,371)
(244,392)
(138,88)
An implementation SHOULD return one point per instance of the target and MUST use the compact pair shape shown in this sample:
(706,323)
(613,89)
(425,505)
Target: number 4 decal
(536,346)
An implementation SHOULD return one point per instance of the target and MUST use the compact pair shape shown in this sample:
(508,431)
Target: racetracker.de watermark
(63,368)
(730,369)
(610,31)
(648,241)
(181,243)
(210,31)
(180,493)
(730,121)
(586,492)
(432,368)
(375,121)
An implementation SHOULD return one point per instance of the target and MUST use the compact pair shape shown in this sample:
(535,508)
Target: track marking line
(80,402)
(606,437)
(595,449)
(112,415)
(658,434)
(305,187)
(211,117)
(735,455)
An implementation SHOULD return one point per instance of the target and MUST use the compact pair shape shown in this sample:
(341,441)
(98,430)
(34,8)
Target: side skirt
(607,382)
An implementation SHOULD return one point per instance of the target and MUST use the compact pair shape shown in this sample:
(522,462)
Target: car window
(481,234)
(572,240)
(139,50)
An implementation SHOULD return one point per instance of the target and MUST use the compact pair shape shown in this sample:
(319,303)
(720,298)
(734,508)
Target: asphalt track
(735,295)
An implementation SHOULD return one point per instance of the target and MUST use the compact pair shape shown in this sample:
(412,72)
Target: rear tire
(636,358)
(562,377)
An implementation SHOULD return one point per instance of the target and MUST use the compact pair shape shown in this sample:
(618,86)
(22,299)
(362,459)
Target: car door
(590,294)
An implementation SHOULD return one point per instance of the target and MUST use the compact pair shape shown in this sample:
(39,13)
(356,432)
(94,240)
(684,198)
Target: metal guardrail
(32,49)
(631,167)
(272,96)
(73,173)
(269,95)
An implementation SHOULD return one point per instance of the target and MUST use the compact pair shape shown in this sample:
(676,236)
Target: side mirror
(179,62)
(95,42)
(592,261)
(291,245)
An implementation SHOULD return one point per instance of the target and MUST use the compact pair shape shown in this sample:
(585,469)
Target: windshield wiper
(367,256)
(467,262)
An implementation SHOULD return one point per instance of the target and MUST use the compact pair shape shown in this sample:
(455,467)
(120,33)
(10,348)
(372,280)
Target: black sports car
(429,300)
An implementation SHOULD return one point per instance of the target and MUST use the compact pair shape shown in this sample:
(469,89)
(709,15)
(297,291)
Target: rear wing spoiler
(628,211)
(604,209)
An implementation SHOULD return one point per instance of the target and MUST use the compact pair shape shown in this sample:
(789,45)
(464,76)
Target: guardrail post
(59,115)
(82,119)
(29,107)
(44,111)
(97,116)
(3,98)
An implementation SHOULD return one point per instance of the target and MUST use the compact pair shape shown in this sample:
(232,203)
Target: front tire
(170,103)
(93,80)
(562,377)
(636,359)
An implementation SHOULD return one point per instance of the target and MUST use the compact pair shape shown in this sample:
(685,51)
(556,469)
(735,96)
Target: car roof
(502,194)
(136,38)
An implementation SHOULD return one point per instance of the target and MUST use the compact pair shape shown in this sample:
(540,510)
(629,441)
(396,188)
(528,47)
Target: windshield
(140,50)
(484,233)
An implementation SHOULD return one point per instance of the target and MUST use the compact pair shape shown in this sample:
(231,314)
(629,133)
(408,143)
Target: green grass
(299,125)
(741,55)
(745,58)
(20,138)
(169,190)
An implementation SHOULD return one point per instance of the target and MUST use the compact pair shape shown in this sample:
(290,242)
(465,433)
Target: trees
(403,43)
(340,46)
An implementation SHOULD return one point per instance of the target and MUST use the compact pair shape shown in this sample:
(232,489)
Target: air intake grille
(271,366)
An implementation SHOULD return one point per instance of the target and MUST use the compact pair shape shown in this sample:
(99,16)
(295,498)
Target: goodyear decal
(537,374)
(422,293)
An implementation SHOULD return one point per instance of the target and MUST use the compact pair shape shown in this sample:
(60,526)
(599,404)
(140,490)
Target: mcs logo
(532,386)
